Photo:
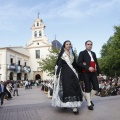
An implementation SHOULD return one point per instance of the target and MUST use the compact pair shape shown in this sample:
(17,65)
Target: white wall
(5,56)
(33,61)
(16,57)
(3,65)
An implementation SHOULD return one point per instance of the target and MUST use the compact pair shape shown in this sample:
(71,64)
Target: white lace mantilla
(56,102)
(69,61)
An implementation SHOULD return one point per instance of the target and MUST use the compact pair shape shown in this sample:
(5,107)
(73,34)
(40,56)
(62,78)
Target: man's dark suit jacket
(85,57)
(1,88)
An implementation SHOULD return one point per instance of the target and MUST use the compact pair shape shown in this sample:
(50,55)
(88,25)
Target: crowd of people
(8,89)
(47,87)
(107,86)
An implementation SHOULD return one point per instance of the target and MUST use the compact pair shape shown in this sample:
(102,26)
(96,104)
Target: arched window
(40,34)
(11,60)
(37,54)
(25,76)
(11,76)
(35,34)
(18,76)
(37,24)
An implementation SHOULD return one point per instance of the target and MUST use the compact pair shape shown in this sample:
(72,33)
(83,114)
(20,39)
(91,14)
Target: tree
(48,64)
(110,54)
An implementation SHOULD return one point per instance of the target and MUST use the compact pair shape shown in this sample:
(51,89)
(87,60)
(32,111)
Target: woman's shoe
(75,111)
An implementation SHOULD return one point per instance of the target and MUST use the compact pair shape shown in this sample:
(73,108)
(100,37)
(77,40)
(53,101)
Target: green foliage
(48,64)
(110,54)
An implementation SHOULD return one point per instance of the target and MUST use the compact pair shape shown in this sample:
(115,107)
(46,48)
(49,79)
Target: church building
(21,63)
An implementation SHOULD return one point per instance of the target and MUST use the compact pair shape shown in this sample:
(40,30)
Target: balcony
(19,68)
(26,69)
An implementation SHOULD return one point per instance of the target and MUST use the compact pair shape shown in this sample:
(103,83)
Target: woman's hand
(84,63)
(57,76)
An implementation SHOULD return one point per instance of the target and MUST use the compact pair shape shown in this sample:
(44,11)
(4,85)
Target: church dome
(56,44)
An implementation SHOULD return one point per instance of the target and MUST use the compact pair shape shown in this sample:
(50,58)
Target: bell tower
(38,28)
(38,34)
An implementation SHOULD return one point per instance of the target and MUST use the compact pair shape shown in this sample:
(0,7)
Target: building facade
(21,63)
(14,65)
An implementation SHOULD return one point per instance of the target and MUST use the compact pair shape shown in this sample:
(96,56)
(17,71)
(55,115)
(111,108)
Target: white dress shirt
(89,52)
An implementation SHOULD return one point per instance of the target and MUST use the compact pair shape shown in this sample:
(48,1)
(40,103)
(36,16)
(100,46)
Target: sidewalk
(33,104)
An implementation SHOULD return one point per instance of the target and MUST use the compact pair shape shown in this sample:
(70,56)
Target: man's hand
(91,69)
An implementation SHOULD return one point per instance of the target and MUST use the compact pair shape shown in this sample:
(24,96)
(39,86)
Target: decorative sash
(69,61)
(92,64)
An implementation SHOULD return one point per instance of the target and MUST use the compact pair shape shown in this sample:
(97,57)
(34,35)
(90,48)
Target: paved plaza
(33,104)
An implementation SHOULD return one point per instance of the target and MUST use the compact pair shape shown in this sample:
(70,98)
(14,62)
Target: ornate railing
(19,68)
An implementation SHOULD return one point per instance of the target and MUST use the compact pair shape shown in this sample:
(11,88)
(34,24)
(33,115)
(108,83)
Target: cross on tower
(38,14)
(55,36)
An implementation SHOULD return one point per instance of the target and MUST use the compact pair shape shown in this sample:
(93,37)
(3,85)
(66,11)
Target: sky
(74,20)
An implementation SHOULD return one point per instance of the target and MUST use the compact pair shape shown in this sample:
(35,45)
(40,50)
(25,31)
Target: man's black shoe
(90,107)
(92,103)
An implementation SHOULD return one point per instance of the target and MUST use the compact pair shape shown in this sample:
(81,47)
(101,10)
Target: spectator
(15,89)
(2,91)
(26,84)
(107,89)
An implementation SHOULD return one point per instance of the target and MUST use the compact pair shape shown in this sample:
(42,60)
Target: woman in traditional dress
(50,89)
(67,92)
(46,87)
(42,84)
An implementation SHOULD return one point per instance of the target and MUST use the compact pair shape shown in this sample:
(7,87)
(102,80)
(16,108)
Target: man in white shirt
(87,62)
(26,84)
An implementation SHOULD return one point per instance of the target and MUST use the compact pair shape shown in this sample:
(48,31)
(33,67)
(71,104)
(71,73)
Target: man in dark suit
(2,91)
(87,61)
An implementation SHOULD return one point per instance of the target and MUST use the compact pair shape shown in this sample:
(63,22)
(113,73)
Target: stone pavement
(33,104)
